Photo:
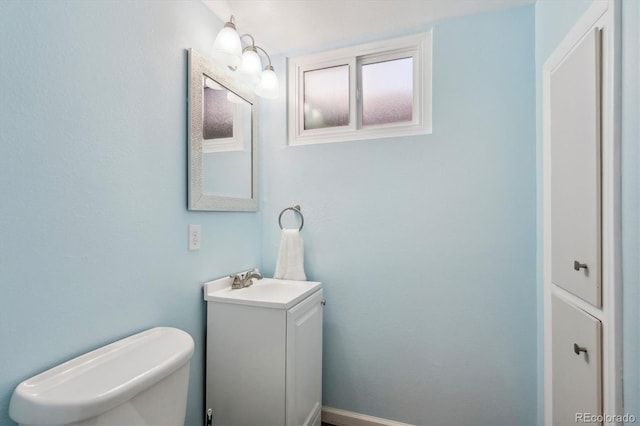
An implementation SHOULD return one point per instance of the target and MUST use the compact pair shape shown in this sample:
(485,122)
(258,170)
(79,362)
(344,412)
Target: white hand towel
(290,264)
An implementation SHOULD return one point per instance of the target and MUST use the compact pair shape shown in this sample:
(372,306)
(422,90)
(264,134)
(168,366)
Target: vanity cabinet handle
(577,349)
(323,302)
(577,265)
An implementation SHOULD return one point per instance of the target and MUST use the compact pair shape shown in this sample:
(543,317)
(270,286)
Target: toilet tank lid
(100,380)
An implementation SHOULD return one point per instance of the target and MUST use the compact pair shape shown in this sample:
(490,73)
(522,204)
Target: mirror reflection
(226,141)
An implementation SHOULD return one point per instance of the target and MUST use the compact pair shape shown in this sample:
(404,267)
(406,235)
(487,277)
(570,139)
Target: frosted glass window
(387,92)
(326,97)
(217,114)
(369,91)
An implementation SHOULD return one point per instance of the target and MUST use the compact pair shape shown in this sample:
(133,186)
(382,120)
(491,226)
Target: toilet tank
(139,380)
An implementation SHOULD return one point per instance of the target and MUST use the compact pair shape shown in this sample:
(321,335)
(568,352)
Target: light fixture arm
(267,55)
(253,41)
(231,23)
(255,48)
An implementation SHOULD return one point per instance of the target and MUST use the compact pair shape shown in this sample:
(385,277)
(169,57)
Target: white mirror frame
(196,198)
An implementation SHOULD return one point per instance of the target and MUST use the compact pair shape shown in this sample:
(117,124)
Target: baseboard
(338,417)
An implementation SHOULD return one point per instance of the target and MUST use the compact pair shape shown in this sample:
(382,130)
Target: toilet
(139,380)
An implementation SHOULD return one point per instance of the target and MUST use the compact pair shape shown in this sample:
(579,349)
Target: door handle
(577,265)
(577,349)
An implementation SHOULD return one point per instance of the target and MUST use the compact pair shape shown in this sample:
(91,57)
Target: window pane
(217,114)
(326,97)
(387,92)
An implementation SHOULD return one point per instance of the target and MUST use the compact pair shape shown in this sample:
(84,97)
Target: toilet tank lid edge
(102,379)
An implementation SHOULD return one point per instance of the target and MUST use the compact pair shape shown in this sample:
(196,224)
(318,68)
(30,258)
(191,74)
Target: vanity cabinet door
(245,365)
(304,362)
(575,171)
(576,363)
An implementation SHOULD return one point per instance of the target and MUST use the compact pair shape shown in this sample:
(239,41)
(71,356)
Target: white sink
(267,292)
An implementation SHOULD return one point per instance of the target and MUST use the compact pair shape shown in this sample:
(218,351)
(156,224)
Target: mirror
(223,123)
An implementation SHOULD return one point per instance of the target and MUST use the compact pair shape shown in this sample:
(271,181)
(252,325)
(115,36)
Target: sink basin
(267,292)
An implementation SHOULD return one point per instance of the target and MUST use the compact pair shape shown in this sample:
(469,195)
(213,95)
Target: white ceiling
(287,26)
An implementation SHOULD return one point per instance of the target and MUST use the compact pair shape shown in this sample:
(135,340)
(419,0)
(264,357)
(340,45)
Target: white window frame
(416,46)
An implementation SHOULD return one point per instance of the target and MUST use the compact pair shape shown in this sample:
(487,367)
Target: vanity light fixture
(246,61)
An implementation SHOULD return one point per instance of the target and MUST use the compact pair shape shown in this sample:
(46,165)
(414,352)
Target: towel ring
(296,209)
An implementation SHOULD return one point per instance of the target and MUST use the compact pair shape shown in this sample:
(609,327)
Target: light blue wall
(426,245)
(93,219)
(553,20)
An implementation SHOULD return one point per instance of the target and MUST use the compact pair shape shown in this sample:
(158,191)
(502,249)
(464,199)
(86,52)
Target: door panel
(576,363)
(304,362)
(576,171)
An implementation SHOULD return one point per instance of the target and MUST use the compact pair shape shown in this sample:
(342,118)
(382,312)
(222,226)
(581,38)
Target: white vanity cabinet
(264,353)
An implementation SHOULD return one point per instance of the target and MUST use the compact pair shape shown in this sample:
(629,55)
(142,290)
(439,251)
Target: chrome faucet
(246,279)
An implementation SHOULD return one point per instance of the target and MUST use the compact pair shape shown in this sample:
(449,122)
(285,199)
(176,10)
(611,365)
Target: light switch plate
(194,237)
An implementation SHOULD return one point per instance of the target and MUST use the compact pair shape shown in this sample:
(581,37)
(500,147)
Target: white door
(304,362)
(577,364)
(575,124)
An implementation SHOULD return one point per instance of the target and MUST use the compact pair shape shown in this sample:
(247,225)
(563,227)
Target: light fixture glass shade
(269,87)
(250,63)
(251,66)
(227,47)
